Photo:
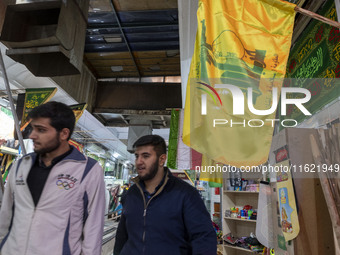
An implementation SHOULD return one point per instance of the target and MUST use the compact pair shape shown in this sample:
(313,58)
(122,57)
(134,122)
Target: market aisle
(110,227)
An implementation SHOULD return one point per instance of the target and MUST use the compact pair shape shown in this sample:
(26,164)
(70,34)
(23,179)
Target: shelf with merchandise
(241,199)
(241,192)
(240,219)
(229,246)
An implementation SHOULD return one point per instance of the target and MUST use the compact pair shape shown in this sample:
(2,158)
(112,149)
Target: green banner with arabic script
(78,110)
(34,98)
(315,55)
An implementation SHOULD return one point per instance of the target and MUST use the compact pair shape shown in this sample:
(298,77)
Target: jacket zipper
(144,216)
(34,211)
(145,208)
(32,218)
(29,230)
(35,207)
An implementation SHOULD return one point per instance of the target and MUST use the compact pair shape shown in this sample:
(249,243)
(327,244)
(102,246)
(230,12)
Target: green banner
(191,175)
(97,158)
(78,110)
(173,139)
(34,98)
(315,55)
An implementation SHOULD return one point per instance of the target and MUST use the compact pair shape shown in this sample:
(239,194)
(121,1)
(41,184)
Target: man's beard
(153,172)
(52,146)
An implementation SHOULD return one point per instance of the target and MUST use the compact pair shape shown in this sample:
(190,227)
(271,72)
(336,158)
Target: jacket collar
(75,155)
(168,174)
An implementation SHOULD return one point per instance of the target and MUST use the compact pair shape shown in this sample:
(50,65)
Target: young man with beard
(55,198)
(162,215)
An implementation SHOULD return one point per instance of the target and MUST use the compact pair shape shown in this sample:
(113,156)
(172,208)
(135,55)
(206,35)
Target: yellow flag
(240,57)
(210,172)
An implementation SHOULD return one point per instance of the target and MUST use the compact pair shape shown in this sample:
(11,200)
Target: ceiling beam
(121,124)
(97,111)
(158,25)
(136,46)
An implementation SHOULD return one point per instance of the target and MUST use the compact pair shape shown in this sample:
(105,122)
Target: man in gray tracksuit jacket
(54,199)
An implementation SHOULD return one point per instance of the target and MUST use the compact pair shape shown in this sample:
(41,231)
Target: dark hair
(60,115)
(156,141)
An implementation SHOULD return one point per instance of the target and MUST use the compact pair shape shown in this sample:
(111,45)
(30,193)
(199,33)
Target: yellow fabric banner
(210,172)
(244,43)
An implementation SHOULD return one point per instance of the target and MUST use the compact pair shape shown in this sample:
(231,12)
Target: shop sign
(182,176)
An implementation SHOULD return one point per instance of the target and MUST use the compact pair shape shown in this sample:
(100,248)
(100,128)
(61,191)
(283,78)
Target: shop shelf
(230,218)
(241,192)
(240,248)
(239,227)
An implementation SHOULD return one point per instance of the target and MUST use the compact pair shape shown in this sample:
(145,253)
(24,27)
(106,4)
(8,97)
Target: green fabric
(173,139)
(215,185)
(6,111)
(281,242)
(191,175)
(94,156)
(5,175)
(316,55)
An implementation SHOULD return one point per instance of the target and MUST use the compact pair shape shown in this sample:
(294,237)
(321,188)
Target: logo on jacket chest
(20,181)
(66,181)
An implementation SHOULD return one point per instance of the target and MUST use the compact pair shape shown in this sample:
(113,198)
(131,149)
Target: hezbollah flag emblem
(240,57)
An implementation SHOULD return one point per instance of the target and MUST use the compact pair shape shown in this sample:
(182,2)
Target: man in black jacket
(162,215)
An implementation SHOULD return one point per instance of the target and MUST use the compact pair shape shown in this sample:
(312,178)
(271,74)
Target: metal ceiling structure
(132,48)
(133,44)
